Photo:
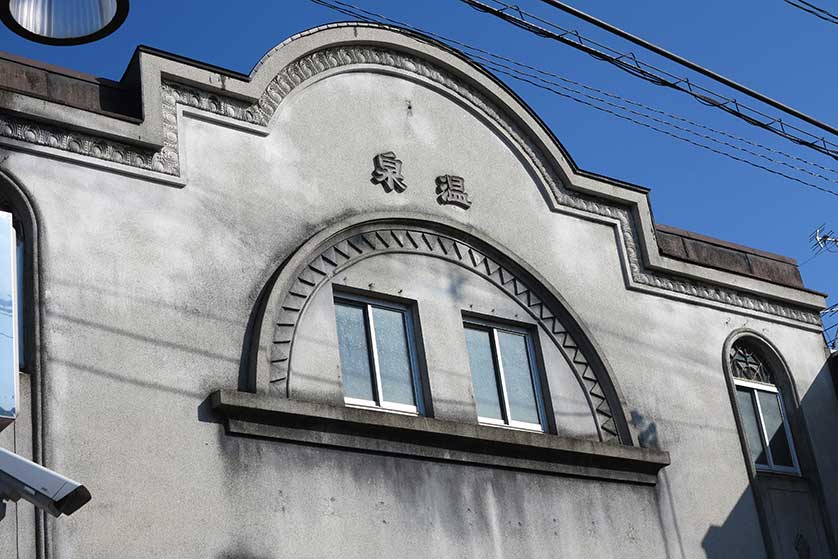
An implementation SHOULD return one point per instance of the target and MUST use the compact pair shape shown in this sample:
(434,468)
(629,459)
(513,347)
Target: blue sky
(765,44)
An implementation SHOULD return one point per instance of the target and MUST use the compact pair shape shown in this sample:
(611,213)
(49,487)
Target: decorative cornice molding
(72,141)
(166,160)
(389,239)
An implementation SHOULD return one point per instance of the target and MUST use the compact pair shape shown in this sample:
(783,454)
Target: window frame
(13,275)
(22,284)
(771,467)
(407,310)
(536,370)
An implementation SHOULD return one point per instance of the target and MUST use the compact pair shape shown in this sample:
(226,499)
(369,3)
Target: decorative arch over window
(746,364)
(764,420)
(331,252)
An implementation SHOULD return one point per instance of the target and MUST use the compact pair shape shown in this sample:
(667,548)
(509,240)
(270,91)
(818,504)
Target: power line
(692,65)
(494,65)
(671,134)
(659,111)
(543,72)
(603,92)
(814,10)
(491,60)
(834,343)
(817,253)
(629,63)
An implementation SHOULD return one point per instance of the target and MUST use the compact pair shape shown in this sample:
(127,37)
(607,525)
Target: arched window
(19,293)
(760,403)
(10,287)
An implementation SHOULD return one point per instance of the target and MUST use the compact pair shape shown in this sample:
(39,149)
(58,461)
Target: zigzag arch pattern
(167,160)
(390,239)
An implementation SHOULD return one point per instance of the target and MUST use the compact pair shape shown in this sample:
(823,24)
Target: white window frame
(367,304)
(500,376)
(753,387)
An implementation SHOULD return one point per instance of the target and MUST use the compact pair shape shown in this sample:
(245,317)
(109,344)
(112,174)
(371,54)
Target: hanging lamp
(63,22)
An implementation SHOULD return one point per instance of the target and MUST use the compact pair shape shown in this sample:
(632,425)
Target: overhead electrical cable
(629,63)
(668,133)
(360,13)
(491,60)
(500,67)
(689,64)
(814,10)
(817,253)
(647,107)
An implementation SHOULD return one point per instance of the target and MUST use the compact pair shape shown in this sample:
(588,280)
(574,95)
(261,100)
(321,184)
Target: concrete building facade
(362,303)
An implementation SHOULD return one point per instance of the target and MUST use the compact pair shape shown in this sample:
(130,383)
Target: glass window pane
(8,343)
(515,363)
(20,355)
(747,410)
(775,427)
(354,352)
(393,357)
(483,376)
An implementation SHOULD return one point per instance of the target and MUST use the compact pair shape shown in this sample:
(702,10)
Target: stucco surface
(148,291)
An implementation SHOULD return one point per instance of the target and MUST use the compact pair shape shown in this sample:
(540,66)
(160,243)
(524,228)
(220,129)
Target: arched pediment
(331,252)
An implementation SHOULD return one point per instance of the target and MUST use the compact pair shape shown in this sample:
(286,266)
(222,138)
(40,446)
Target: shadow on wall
(794,512)
(726,541)
(721,542)
(647,430)
(647,437)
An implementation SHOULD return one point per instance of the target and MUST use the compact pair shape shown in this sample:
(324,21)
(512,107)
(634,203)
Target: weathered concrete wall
(147,294)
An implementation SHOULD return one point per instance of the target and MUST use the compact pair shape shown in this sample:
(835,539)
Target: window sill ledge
(264,416)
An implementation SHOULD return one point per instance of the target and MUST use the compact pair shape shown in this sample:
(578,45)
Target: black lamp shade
(63,22)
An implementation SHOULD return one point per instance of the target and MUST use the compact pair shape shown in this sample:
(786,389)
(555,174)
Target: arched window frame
(754,390)
(781,385)
(319,252)
(16,200)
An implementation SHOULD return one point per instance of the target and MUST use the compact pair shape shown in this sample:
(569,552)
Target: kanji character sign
(452,190)
(387,172)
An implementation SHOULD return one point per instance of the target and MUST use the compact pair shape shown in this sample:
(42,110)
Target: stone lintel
(271,417)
